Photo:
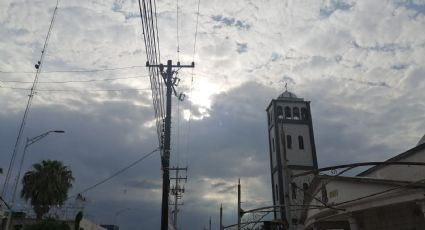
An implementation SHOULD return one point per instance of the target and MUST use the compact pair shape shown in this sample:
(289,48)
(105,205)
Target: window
(279,112)
(289,141)
(287,112)
(304,115)
(276,192)
(300,142)
(296,111)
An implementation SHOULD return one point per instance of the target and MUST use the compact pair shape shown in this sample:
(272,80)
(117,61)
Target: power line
(178,38)
(76,90)
(149,20)
(196,31)
(75,81)
(116,173)
(38,66)
(73,71)
(191,81)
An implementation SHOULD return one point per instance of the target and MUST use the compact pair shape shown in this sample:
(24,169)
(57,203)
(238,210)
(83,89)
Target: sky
(360,63)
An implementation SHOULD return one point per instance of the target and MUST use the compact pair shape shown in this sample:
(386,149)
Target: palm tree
(45,185)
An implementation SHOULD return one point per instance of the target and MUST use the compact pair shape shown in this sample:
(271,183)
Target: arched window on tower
(279,112)
(304,115)
(296,113)
(300,142)
(289,141)
(287,112)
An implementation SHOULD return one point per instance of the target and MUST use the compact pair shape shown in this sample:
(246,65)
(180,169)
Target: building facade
(292,151)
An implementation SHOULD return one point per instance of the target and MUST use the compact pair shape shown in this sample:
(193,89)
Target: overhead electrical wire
(73,81)
(116,173)
(73,71)
(38,66)
(177,24)
(192,77)
(76,90)
(149,20)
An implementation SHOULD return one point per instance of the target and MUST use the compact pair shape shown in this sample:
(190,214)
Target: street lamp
(29,142)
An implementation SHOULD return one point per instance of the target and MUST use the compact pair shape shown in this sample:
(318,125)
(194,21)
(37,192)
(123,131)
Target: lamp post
(29,142)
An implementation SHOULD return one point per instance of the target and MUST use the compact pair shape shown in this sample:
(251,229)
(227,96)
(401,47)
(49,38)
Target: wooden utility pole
(170,82)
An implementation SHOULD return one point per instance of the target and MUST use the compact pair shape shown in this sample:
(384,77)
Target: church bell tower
(292,151)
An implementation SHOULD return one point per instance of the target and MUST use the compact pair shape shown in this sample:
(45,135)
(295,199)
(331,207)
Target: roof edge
(395,158)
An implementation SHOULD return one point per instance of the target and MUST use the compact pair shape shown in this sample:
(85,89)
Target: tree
(47,184)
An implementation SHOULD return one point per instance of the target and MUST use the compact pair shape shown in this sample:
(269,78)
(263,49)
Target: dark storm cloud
(144,184)
(222,187)
(346,132)
(128,214)
(235,129)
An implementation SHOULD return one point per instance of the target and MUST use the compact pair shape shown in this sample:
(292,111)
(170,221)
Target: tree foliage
(46,185)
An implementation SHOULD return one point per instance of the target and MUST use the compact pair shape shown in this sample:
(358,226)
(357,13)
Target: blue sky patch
(231,22)
(334,5)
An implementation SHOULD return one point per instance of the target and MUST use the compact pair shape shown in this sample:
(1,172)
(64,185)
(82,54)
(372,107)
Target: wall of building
(88,225)
(295,155)
(272,146)
(403,172)
(405,216)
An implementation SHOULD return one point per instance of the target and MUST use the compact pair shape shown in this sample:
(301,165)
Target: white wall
(88,225)
(403,172)
(295,155)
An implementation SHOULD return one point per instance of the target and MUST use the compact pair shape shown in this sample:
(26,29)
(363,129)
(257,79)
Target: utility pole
(239,204)
(177,191)
(170,82)
(221,217)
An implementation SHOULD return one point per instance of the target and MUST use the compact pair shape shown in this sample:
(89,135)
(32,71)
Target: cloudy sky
(360,63)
